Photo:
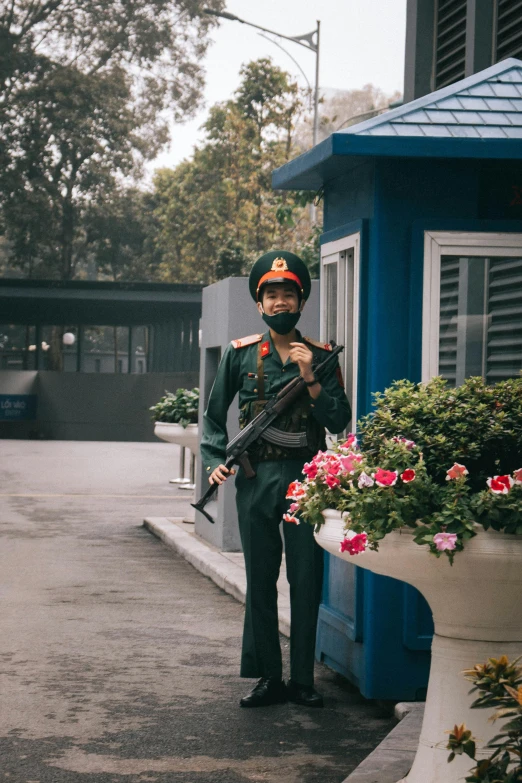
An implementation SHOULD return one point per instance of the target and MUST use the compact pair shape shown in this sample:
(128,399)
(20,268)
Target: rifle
(237,449)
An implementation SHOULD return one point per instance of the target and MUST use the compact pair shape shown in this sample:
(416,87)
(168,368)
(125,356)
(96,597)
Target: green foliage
(222,197)
(178,408)
(429,454)
(499,684)
(84,91)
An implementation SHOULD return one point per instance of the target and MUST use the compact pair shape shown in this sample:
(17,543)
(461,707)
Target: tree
(84,90)
(222,197)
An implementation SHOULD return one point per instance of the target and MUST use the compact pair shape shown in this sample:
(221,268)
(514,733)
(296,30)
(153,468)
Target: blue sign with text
(18,407)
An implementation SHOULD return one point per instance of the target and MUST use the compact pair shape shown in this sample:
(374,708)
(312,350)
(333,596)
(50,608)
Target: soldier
(257,367)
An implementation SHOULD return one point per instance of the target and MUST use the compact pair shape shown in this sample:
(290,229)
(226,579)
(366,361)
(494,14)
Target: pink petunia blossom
(348,464)
(310,470)
(445,541)
(518,476)
(408,475)
(295,491)
(354,543)
(500,485)
(332,481)
(293,507)
(289,518)
(333,466)
(385,478)
(350,442)
(365,480)
(457,471)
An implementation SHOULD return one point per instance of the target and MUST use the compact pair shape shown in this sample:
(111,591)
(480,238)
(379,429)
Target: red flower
(295,491)
(355,544)
(408,475)
(456,471)
(310,470)
(385,478)
(500,485)
(350,442)
(291,519)
(332,481)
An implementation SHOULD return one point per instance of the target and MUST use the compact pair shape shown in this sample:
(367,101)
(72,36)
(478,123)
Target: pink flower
(408,443)
(500,485)
(333,466)
(445,541)
(295,491)
(310,470)
(408,475)
(365,480)
(291,519)
(385,478)
(350,442)
(455,472)
(332,481)
(354,543)
(293,507)
(518,476)
(347,464)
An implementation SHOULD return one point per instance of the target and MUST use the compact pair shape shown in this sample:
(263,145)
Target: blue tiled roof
(478,117)
(487,105)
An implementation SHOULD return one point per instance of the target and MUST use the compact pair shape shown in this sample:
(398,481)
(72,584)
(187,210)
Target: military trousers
(261,504)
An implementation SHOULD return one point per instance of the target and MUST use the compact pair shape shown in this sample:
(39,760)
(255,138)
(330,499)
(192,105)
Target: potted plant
(176,418)
(434,498)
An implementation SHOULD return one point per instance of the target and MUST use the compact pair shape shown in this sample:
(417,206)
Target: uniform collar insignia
(265,348)
(279,265)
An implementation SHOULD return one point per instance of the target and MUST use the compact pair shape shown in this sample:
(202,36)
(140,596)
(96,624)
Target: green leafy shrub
(499,683)
(178,408)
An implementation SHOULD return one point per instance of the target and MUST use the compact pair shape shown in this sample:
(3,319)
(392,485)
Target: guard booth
(421,275)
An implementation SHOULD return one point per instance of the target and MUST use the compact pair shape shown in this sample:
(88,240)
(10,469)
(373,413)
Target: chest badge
(265,349)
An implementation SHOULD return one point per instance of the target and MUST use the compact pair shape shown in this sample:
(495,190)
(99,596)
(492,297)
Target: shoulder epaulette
(317,344)
(250,340)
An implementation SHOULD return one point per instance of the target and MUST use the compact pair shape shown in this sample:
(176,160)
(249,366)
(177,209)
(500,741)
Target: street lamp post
(306,40)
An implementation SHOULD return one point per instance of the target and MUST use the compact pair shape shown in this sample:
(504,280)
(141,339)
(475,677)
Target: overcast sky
(362,41)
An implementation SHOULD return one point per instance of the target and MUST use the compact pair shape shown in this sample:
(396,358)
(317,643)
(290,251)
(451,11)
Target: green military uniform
(252,367)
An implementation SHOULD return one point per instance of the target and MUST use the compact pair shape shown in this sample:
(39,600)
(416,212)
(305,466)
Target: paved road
(118,661)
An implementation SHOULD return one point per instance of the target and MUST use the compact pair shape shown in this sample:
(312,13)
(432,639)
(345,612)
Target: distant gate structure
(157,325)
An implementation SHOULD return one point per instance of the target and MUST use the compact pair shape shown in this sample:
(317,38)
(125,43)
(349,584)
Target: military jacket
(238,373)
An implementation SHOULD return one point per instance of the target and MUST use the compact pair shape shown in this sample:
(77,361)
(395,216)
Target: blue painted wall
(375,630)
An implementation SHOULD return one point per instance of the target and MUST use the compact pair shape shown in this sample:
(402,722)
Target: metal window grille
(508,29)
(450,42)
(480,318)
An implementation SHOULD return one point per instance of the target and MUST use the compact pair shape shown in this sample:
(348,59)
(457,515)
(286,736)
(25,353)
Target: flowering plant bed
(440,460)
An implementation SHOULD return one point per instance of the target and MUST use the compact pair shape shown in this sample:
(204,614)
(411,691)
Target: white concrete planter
(175,433)
(477,611)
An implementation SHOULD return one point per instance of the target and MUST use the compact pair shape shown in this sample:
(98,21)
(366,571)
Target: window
(339,306)
(472,320)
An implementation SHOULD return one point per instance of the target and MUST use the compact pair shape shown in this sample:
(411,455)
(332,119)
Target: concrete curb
(391,761)
(210,561)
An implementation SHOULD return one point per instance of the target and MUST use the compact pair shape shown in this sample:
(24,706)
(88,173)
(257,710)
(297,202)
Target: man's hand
(219,474)
(303,357)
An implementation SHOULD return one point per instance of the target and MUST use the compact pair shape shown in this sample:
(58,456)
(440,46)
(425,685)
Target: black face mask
(282,323)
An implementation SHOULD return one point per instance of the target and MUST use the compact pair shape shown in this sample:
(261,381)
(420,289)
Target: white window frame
(452,243)
(336,249)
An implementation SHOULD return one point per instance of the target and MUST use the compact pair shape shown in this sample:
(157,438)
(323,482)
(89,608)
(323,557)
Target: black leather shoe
(267,691)
(303,694)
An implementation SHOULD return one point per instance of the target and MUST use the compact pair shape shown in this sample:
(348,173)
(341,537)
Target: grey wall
(90,406)
(229,313)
